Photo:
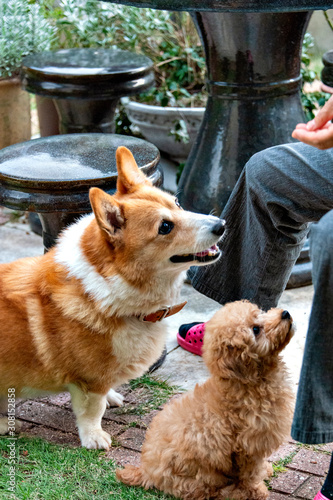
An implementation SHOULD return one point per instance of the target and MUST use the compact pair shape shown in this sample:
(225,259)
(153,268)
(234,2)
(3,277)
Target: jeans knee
(264,169)
(322,234)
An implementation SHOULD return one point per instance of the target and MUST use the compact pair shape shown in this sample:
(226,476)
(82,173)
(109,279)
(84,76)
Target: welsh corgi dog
(81,317)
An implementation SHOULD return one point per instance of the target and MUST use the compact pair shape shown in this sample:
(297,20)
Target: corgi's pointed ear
(107,211)
(129,174)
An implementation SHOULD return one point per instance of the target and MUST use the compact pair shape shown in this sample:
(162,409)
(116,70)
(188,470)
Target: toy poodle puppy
(212,442)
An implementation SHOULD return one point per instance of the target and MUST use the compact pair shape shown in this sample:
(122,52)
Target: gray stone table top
(58,170)
(85,73)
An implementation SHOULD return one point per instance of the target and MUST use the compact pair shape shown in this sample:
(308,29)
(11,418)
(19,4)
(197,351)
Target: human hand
(319,131)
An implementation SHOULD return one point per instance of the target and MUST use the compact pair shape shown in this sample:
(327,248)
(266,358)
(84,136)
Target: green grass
(47,471)
(152,393)
(280,465)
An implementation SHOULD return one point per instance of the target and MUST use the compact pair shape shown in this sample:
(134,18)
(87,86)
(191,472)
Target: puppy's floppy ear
(227,360)
(107,211)
(129,174)
(238,363)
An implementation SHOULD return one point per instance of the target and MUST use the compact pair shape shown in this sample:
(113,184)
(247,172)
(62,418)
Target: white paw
(4,428)
(113,398)
(96,440)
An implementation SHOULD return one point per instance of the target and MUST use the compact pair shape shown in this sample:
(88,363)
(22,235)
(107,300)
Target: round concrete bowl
(155,123)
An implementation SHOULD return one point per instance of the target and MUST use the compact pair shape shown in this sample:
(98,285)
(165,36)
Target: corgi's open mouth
(212,253)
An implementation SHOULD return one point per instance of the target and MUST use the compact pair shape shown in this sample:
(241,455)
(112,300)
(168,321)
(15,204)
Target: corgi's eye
(178,204)
(166,227)
(256,330)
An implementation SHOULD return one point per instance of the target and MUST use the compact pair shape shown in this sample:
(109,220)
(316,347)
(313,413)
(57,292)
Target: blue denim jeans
(280,191)
(313,417)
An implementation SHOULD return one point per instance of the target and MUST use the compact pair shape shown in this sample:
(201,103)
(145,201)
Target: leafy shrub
(23,30)
(169,39)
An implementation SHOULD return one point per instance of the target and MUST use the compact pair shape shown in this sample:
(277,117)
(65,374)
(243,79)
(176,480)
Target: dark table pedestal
(86,115)
(253,64)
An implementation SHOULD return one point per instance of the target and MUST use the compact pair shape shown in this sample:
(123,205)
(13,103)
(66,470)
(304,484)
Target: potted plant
(170,115)
(23,30)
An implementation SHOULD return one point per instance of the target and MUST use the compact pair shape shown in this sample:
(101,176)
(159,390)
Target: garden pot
(155,123)
(15,117)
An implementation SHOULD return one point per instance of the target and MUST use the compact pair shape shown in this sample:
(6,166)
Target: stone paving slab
(132,438)
(62,399)
(4,218)
(311,461)
(278,496)
(288,482)
(309,488)
(123,456)
(47,415)
(17,241)
(326,447)
(284,451)
(54,436)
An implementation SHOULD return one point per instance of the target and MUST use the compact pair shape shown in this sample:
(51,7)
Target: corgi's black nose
(219,227)
(285,315)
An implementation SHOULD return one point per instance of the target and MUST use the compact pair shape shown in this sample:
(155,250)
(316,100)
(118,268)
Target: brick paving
(303,475)
(302,468)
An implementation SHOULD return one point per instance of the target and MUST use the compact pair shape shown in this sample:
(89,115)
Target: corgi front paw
(113,398)
(96,440)
(5,428)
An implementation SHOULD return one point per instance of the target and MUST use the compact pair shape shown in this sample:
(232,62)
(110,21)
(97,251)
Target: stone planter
(155,123)
(15,118)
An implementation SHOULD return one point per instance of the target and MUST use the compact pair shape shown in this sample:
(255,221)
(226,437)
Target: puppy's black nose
(219,227)
(285,315)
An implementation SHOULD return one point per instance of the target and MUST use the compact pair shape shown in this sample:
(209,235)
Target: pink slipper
(320,496)
(190,337)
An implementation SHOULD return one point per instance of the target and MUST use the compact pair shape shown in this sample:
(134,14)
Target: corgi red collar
(162,313)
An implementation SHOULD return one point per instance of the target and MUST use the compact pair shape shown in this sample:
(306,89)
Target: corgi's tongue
(210,251)
(206,256)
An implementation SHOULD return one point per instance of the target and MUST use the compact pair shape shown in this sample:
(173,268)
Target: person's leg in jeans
(313,418)
(280,191)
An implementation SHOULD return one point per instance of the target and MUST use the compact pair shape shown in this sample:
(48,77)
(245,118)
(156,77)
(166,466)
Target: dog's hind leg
(185,488)
(269,469)
(134,476)
(244,492)
(89,409)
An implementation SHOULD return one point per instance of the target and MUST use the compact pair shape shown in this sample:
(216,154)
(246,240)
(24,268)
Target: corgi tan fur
(213,442)
(70,318)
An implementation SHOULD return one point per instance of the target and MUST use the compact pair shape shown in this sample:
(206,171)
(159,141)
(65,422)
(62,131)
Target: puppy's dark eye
(166,227)
(178,204)
(256,330)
